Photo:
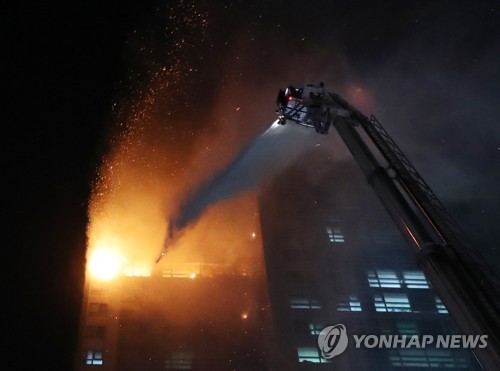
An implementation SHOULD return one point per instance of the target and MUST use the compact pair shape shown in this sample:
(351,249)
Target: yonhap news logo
(333,341)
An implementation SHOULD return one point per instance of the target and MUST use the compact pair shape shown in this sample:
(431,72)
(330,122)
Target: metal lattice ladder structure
(452,265)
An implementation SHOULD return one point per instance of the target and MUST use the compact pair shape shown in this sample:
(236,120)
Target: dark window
(96,332)
(96,309)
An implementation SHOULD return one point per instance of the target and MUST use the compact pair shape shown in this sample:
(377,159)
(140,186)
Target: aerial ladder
(451,264)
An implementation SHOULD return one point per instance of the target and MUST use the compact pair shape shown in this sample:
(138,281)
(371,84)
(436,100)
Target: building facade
(334,256)
(331,256)
(206,317)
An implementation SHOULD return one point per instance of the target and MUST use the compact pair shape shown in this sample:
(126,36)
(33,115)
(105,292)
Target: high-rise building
(200,317)
(203,306)
(332,256)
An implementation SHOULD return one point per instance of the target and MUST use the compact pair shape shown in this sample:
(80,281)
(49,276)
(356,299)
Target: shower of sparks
(140,162)
(172,133)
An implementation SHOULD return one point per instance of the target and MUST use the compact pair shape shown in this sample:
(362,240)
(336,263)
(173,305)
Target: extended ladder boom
(450,262)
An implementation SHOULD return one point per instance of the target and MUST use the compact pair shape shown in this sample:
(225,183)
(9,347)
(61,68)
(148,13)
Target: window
(440,306)
(392,302)
(97,309)
(304,327)
(383,278)
(315,328)
(353,305)
(98,288)
(415,280)
(95,332)
(407,328)
(428,358)
(390,279)
(311,354)
(335,235)
(304,303)
(93,357)
(170,273)
(182,360)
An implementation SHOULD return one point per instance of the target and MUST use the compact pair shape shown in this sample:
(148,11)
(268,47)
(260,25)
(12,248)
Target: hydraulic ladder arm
(451,264)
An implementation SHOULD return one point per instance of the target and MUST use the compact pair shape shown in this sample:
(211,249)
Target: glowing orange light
(192,276)
(104,263)
(137,272)
(244,315)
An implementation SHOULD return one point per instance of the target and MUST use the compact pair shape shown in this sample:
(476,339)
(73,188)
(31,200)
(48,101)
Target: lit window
(390,279)
(426,358)
(96,309)
(312,355)
(304,303)
(179,361)
(383,278)
(393,302)
(170,273)
(353,305)
(93,357)
(315,328)
(96,332)
(335,235)
(415,280)
(407,328)
(440,306)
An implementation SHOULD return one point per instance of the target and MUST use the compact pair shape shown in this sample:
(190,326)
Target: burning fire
(104,263)
(155,161)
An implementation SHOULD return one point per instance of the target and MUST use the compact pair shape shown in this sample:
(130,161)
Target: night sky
(429,70)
